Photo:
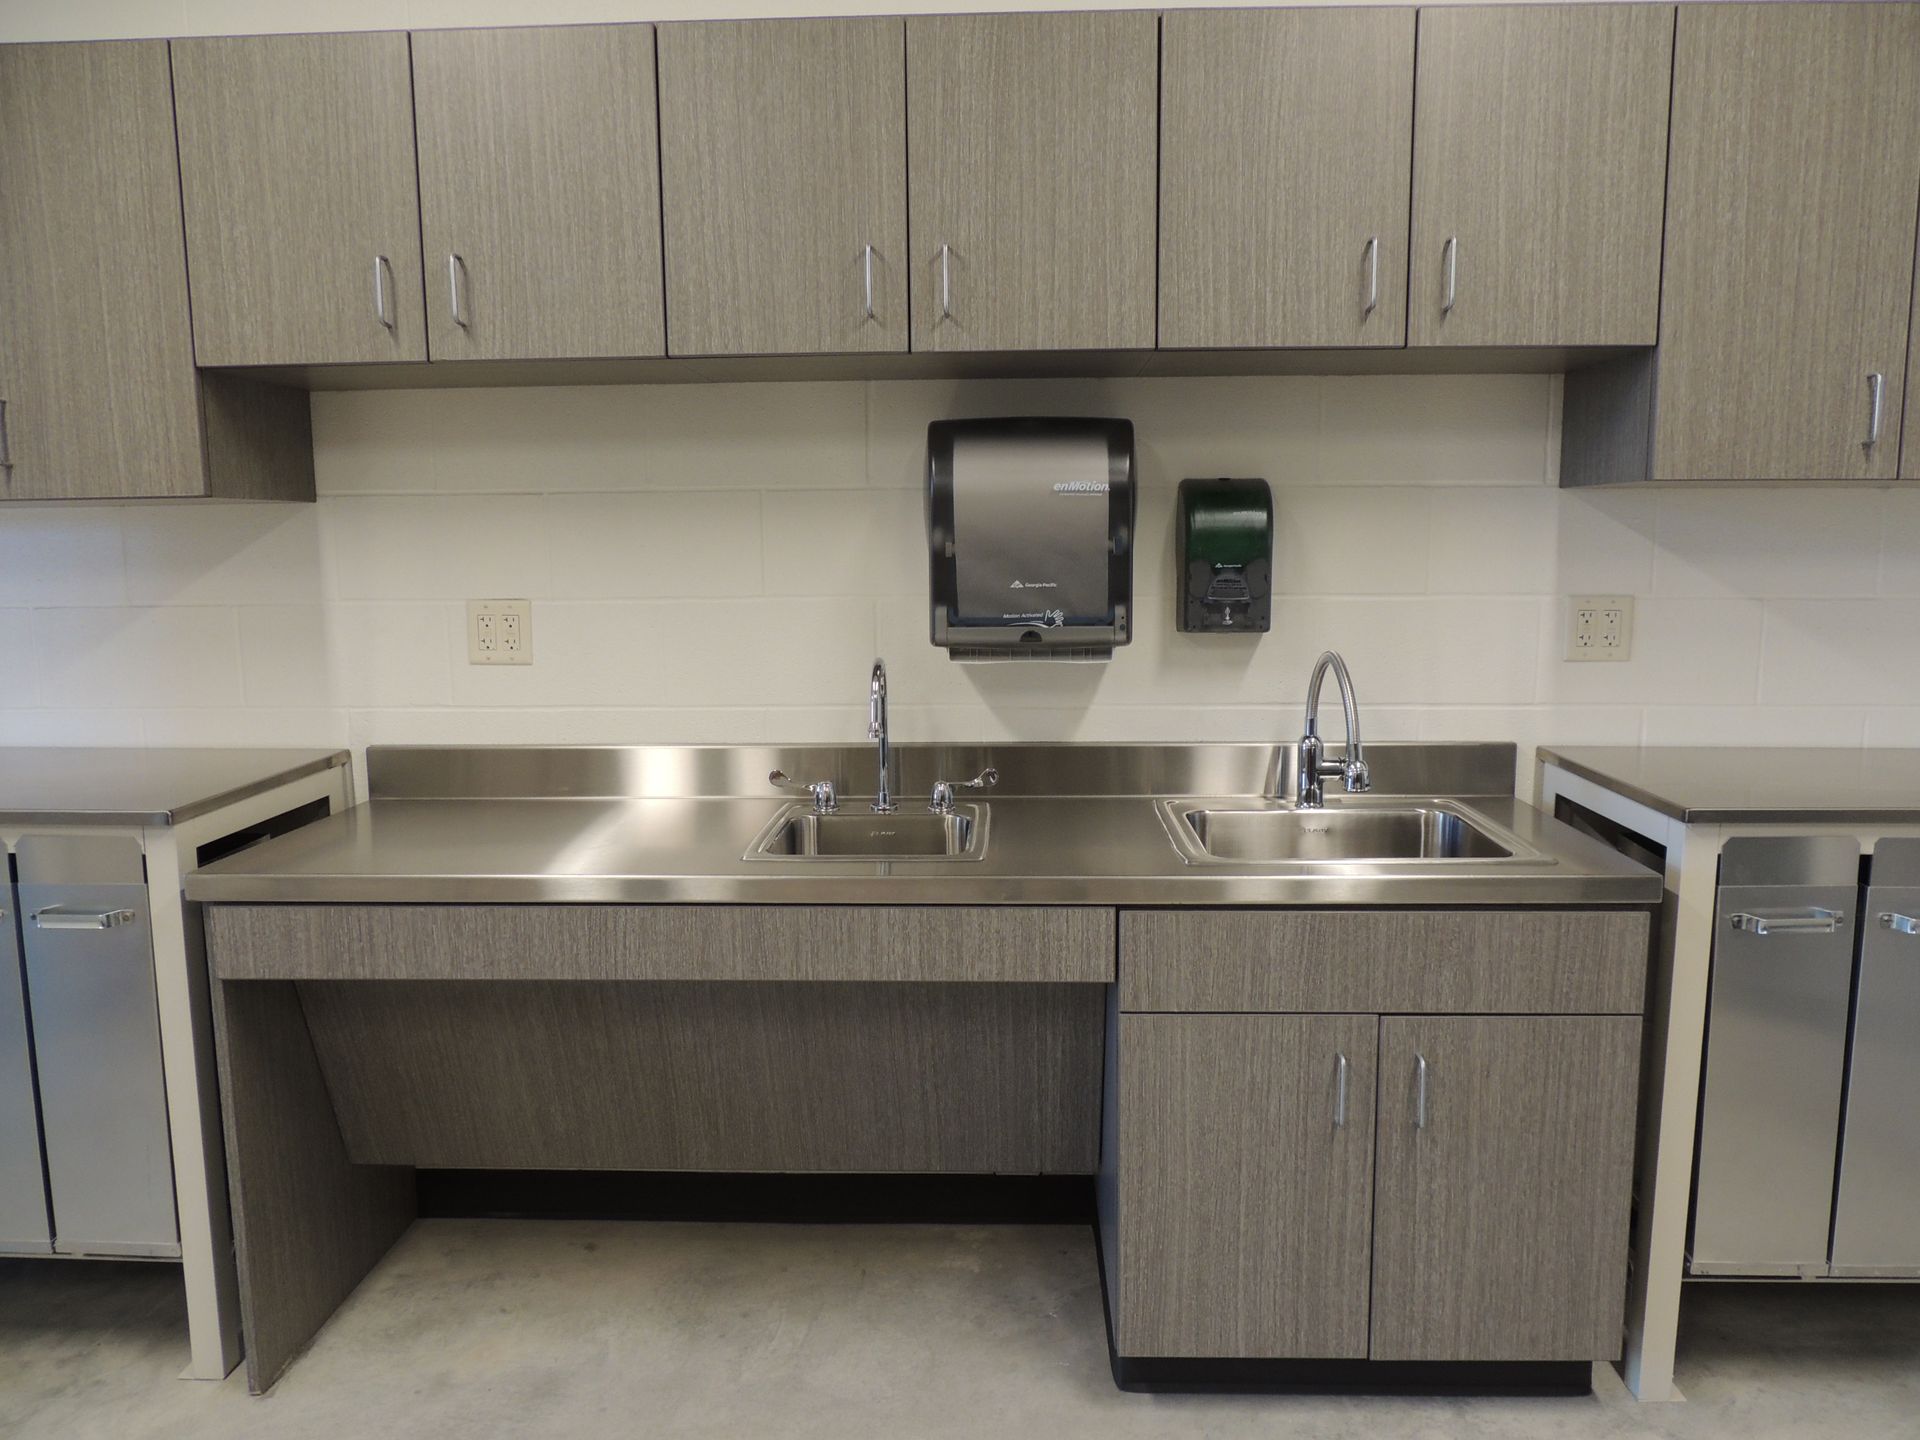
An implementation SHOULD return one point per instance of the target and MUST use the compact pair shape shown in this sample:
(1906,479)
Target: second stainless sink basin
(800,833)
(1276,834)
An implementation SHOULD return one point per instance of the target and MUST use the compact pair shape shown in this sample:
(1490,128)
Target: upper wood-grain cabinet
(302,209)
(539,191)
(1501,1186)
(98,396)
(783,159)
(1789,257)
(1539,161)
(1285,154)
(1032,163)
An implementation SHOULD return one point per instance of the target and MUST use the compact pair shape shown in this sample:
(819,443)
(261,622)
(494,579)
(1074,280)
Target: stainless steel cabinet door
(96,1031)
(23,1182)
(1878,1198)
(783,162)
(539,191)
(1776,1055)
(302,199)
(1032,165)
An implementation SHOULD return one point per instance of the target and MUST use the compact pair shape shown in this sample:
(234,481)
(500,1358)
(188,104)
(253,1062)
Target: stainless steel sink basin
(799,833)
(1276,834)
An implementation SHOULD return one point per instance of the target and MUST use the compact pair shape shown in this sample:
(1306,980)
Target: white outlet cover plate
(499,632)
(1599,627)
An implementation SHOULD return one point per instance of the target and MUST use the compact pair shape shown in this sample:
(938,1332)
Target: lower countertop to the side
(1748,785)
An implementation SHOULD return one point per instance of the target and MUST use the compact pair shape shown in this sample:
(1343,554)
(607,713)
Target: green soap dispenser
(1225,544)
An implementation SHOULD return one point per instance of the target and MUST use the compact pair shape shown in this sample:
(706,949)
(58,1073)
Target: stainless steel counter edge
(190,807)
(1784,786)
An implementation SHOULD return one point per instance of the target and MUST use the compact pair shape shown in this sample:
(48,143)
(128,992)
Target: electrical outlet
(1600,627)
(499,632)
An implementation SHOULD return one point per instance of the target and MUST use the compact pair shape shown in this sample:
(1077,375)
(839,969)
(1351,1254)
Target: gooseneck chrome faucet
(877,730)
(1314,769)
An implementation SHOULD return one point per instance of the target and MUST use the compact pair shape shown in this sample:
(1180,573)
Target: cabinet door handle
(1419,1091)
(866,277)
(382,284)
(55,918)
(457,290)
(1450,258)
(1901,924)
(6,445)
(1339,1090)
(946,282)
(1373,275)
(1876,389)
(1812,920)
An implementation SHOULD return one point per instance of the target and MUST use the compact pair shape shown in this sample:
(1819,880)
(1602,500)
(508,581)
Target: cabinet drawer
(661,942)
(1458,961)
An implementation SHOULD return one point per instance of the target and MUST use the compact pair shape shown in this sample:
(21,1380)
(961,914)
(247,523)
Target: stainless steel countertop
(1715,785)
(416,843)
(135,786)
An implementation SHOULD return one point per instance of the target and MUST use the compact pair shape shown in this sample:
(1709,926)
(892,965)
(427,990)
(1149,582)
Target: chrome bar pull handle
(1901,924)
(457,290)
(382,286)
(946,282)
(1813,920)
(1419,1091)
(55,917)
(6,445)
(1339,1090)
(1450,258)
(1876,390)
(866,277)
(1373,275)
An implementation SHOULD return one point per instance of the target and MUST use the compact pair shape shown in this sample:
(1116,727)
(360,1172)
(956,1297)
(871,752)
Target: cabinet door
(303,216)
(1502,1186)
(1245,1156)
(1032,162)
(1790,241)
(783,158)
(539,191)
(1283,196)
(96,358)
(1539,161)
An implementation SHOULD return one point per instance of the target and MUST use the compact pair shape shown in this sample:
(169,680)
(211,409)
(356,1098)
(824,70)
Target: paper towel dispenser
(1030,537)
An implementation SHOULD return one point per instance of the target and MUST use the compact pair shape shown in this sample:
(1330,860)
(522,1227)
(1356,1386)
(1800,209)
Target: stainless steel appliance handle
(1373,275)
(1876,388)
(866,276)
(1339,1091)
(1811,921)
(382,277)
(1450,257)
(946,282)
(1420,1091)
(457,290)
(56,917)
(1900,924)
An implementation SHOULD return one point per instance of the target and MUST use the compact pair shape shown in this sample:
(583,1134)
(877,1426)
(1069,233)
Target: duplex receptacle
(1599,627)
(499,632)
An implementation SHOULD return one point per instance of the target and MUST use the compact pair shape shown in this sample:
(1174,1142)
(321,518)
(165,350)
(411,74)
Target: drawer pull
(1373,276)
(1419,1091)
(866,277)
(1451,260)
(457,291)
(1901,924)
(382,283)
(1339,1091)
(1812,921)
(55,918)
(1876,393)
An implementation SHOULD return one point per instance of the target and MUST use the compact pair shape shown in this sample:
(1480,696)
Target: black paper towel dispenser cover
(1030,537)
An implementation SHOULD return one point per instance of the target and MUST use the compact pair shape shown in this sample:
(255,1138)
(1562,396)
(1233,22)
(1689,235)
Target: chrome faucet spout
(1314,769)
(877,731)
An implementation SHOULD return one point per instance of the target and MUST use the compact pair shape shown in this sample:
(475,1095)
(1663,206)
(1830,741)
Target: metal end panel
(1790,860)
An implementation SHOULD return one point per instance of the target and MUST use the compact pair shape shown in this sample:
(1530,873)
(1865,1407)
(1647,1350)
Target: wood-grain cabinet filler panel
(1539,162)
(539,192)
(1790,241)
(302,209)
(93,296)
(783,159)
(1032,164)
(1910,416)
(1285,151)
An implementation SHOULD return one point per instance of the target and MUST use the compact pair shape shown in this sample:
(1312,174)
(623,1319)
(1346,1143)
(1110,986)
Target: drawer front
(1389,961)
(989,944)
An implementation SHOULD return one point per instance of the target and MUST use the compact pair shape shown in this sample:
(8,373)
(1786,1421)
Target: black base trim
(784,1199)
(1354,1377)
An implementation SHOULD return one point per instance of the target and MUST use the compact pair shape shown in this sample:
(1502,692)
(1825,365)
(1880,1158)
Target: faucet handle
(1359,779)
(826,799)
(942,802)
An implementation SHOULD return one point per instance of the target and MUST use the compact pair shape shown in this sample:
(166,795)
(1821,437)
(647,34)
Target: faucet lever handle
(826,799)
(1358,778)
(942,802)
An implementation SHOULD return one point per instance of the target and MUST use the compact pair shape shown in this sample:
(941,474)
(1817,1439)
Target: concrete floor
(477,1328)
